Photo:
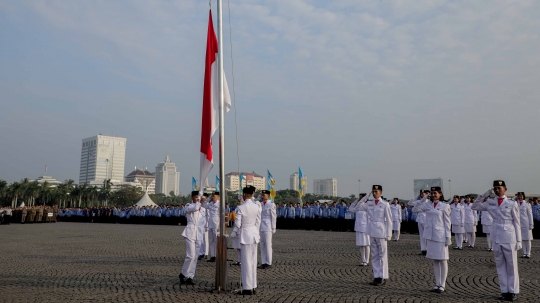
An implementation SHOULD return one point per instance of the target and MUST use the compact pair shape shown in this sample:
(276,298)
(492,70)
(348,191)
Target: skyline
(382,92)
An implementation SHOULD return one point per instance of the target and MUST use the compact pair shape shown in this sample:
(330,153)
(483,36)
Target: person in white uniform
(457,217)
(268,228)
(236,240)
(213,207)
(487,221)
(506,237)
(395,210)
(360,227)
(247,227)
(379,231)
(190,234)
(437,231)
(420,219)
(527,224)
(202,229)
(471,220)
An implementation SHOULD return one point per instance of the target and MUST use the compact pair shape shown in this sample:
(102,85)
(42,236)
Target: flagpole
(221,260)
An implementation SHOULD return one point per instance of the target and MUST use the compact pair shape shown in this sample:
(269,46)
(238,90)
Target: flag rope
(234,90)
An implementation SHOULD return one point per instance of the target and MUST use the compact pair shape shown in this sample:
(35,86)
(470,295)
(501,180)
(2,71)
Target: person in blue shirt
(341,211)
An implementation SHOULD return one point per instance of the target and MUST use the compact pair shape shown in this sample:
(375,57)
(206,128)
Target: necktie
(520,203)
(376,202)
(435,205)
(500,200)
(264,202)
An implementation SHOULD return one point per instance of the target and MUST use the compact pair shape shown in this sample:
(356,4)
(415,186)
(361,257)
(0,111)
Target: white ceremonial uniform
(471,220)
(360,228)
(379,230)
(247,226)
(191,235)
(395,210)
(457,217)
(213,224)
(437,231)
(236,241)
(506,237)
(420,219)
(268,227)
(202,237)
(487,221)
(527,225)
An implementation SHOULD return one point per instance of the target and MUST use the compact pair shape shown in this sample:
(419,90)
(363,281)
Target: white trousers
(212,241)
(526,244)
(238,256)
(249,266)
(423,242)
(396,233)
(364,253)
(440,268)
(459,240)
(203,244)
(488,237)
(507,267)
(190,262)
(471,238)
(266,247)
(379,258)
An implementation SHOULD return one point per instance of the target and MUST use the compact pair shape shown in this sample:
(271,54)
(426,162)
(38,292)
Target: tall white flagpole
(221,260)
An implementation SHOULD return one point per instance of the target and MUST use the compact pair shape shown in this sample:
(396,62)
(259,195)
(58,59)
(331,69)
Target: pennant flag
(193,184)
(210,109)
(217,184)
(270,185)
(241,180)
(301,184)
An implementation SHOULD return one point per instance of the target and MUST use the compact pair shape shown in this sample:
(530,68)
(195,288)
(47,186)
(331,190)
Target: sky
(379,91)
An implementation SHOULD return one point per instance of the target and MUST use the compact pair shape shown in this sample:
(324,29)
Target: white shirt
(268,216)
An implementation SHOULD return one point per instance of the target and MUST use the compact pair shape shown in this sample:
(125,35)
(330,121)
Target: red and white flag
(210,109)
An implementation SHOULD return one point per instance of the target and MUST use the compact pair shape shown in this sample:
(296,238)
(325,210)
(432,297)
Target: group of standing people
(32,214)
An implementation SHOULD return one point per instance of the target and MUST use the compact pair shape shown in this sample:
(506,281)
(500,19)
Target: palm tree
(31,191)
(105,192)
(3,190)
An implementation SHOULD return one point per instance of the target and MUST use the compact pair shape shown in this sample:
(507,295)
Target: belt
(500,221)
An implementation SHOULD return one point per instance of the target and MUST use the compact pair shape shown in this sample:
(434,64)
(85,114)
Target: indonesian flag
(210,109)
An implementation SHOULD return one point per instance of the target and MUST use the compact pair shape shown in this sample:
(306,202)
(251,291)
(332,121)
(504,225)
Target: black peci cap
(265,192)
(499,183)
(436,188)
(376,187)
(249,190)
(194,193)
(216,193)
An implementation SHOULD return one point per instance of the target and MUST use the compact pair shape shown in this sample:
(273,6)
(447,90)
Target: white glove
(388,238)
(233,234)
(518,245)
(487,193)
(273,231)
(448,241)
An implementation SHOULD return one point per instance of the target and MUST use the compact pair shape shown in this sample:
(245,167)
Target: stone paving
(84,262)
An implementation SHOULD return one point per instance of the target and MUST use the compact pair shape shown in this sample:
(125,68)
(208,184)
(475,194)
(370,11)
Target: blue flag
(270,183)
(193,184)
(217,184)
(240,179)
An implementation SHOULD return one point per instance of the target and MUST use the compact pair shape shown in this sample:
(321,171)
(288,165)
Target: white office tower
(232,181)
(294,182)
(167,178)
(325,187)
(102,157)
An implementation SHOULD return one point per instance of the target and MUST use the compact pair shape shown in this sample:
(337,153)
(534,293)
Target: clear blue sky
(382,91)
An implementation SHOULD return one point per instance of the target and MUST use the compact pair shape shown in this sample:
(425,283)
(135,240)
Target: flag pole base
(221,264)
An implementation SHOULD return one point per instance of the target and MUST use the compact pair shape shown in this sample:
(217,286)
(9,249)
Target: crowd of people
(32,214)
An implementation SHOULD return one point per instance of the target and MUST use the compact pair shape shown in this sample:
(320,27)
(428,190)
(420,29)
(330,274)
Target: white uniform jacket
(395,210)
(420,216)
(213,214)
(486,218)
(437,226)
(526,216)
(471,215)
(360,224)
(268,216)
(192,215)
(506,226)
(248,222)
(379,218)
(457,214)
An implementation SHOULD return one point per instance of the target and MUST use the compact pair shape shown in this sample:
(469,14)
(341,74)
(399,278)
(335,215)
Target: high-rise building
(102,157)
(325,187)
(232,181)
(294,182)
(167,178)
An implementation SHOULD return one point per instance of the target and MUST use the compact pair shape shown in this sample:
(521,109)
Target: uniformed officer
(506,237)
(420,219)
(527,224)
(213,207)
(471,220)
(193,215)
(360,228)
(236,241)
(202,229)
(24,213)
(395,210)
(379,230)
(247,227)
(457,217)
(487,222)
(437,234)
(268,228)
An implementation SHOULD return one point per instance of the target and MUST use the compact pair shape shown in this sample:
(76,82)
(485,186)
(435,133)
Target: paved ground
(83,262)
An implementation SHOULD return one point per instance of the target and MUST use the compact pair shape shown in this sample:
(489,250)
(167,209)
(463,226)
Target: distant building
(325,187)
(294,182)
(50,180)
(143,179)
(426,184)
(167,178)
(232,181)
(102,157)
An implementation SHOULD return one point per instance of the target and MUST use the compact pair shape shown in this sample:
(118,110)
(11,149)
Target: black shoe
(263,266)
(383,281)
(189,281)
(511,297)
(503,296)
(440,290)
(182,278)
(424,252)
(375,282)
(421,253)
(434,289)
(254,290)
(213,259)
(246,292)
(200,257)
(527,257)
(236,263)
